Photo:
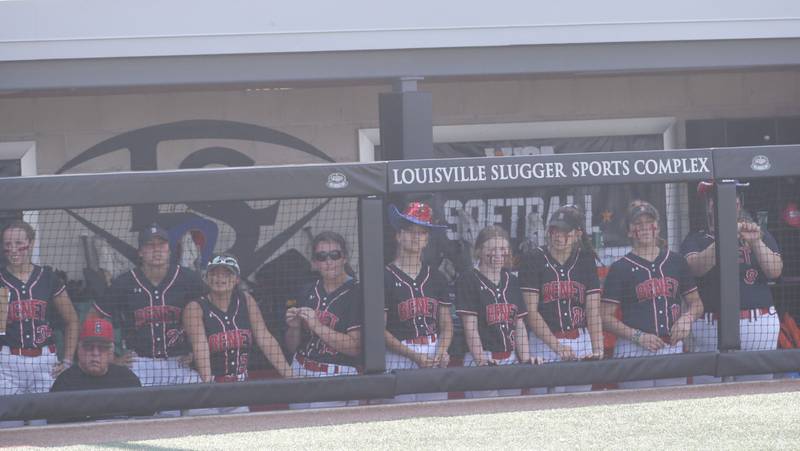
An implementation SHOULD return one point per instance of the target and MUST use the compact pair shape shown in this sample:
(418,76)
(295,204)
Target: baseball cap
(791,215)
(226,261)
(566,218)
(643,208)
(152,231)
(97,329)
(418,213)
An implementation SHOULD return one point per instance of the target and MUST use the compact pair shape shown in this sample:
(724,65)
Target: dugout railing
(371,184)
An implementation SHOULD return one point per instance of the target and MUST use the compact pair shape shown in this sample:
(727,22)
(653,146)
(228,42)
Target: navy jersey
(150,315)
(412,304)
(229,335)
(498,307)
(753,289)
(650,292)
(27,325)
(339,310)
(562,289)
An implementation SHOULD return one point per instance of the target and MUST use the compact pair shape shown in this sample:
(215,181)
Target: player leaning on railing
(325,325)
(419,327)
(648,285)
(489,302)
(28,359)
(224,325)
(562,291)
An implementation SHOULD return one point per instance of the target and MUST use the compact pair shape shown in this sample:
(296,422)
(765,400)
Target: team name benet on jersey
(421,306)
(32,309)
(562,289)
(157,314)
(651,288)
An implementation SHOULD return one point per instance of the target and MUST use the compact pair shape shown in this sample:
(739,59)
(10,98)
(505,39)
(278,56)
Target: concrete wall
(329,118)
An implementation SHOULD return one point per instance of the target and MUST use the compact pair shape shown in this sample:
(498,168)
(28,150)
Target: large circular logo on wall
(142,147)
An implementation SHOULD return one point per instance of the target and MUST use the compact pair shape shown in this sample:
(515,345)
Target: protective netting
(214,292)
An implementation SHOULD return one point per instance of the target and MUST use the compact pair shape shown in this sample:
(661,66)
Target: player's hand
(442,359)
(565,352)
(59,368)
(651,342)
(292,320)
(680,329)
(309,316)
(425,360)
(125,359)
(185,360)
(749,232)
(597,354)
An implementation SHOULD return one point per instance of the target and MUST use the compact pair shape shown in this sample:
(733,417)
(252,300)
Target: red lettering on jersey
(232,339)
(652,288)
(32,309)
(745,254)
(327,318)
(157,314)
(423,306)
(578,317)
(500,314)
(41,334)
(562,289)
(750,276)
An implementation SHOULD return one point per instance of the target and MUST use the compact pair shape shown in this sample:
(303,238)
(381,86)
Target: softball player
(28,359)
(562,292)
(419,327)
(759,262)
(325,326)
(489,302)
(223,326)
(649,285)
(148,302)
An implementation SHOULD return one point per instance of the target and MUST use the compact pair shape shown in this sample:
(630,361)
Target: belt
(423,340)
(501,355)
(318,367)
(570,334)
(748,313)
(31,352)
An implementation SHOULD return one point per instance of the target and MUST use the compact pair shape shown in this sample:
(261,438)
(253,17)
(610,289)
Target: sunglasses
(333,255)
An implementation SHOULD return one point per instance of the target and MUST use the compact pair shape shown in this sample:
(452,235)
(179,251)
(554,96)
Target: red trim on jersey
(149,295)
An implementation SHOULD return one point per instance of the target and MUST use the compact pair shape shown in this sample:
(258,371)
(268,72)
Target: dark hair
(329,236)
(494,231)
(20,224)
(585,243)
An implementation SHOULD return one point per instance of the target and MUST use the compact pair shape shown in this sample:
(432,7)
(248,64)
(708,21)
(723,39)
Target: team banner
(548,170)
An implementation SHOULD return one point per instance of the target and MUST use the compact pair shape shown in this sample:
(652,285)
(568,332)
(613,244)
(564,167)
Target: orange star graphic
(606,216)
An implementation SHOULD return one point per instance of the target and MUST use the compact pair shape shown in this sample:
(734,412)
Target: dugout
(360,208)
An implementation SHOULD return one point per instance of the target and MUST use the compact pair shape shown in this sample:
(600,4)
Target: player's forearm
(292,338)
(614,325)
(770,262)
(394,345)
(521,338)
(202,358)
(341,342)
(701,262)
(445,330)
(272,351)
(472,336)
(71,340)
(594,322)
(542,330)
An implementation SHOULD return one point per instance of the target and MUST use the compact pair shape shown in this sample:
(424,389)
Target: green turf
(742,422)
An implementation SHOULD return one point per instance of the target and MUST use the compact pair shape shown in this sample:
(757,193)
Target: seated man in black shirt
(94,369)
